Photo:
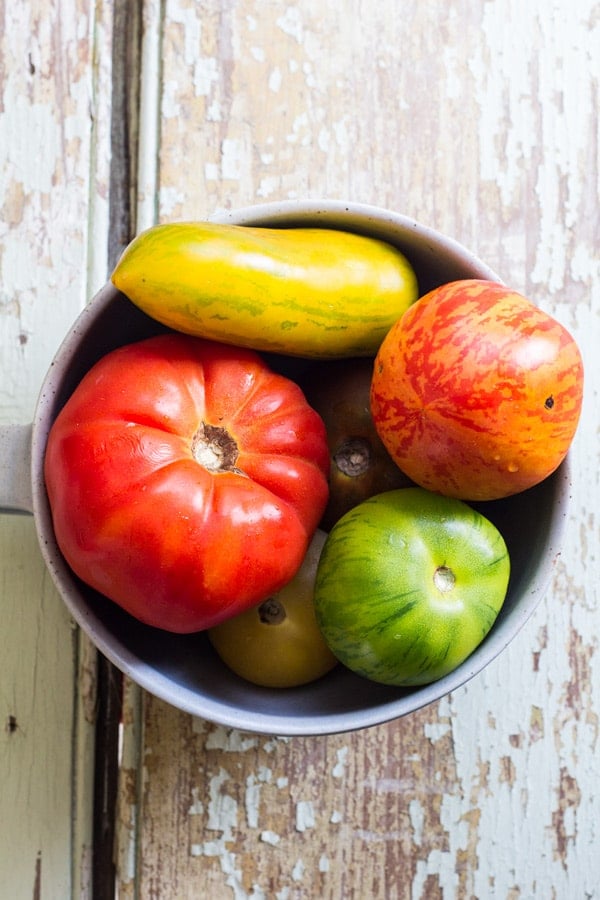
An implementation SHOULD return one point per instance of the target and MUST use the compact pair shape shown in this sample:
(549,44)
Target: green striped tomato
(408,584)
(309,292)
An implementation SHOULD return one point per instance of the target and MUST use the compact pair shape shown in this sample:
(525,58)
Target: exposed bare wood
(477,119)
(480,121)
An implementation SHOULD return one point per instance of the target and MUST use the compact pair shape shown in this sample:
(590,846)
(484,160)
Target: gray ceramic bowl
(184,670)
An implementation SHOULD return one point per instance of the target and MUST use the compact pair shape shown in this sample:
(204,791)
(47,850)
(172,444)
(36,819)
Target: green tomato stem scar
(444,579)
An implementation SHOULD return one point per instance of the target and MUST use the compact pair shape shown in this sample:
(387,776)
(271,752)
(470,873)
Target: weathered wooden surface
(54,120)
(479,120)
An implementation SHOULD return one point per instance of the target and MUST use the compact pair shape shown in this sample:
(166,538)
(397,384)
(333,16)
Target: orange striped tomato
(477,392)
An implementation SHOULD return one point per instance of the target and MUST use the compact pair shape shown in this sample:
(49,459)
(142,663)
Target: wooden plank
(53,189)
(480,120)
(125,102)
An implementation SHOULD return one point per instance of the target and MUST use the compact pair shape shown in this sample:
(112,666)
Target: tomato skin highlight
(146,506)
(278,643)
(408,585)
(476,392)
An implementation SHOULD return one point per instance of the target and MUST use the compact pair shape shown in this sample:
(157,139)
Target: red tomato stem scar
(215,449)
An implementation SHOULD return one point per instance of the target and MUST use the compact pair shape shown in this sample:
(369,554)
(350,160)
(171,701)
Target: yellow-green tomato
(278,643)
(309,292)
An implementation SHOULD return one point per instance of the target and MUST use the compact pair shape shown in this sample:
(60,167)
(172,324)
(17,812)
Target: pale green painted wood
(54,138)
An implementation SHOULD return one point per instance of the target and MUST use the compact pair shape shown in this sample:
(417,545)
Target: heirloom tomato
(408,585)
(185,480)
(308,292)
(476,391)
(360,465)
(278,643)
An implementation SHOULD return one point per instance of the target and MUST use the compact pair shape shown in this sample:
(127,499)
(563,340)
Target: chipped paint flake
(252,796)
(230,740)
(339,769)
(291,23)
(270,837)
(305,815)
(275,79)
(222,808)
(231,159)
(417,819)
(298,870)
(196,807)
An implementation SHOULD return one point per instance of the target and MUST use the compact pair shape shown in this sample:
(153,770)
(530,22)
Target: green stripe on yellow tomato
(310,292)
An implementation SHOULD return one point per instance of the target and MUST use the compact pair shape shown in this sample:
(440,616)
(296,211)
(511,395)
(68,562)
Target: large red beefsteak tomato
(477,392)
(186,480)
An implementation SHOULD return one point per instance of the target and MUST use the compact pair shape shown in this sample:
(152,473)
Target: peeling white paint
(417,819)
(196,807)
(230,740)
(214,111)
(199,726)
(500,746)
(231,159)
(436,731)
(300,132)
(170,107)
(268,187)
(206,75)
(275,79)
(305,815)
(212,171)
(227,861)
(191,29)
(272,745)
(291,23)
(270,837)
(443,865)
(222,808)
(339,769)
(54,124)
(298,870)
(252,795)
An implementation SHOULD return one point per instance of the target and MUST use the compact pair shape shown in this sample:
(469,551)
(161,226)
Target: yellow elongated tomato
(300,291)
(278,643)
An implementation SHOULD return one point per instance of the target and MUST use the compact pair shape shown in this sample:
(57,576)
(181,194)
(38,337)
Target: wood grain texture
(54,100)
(479,120)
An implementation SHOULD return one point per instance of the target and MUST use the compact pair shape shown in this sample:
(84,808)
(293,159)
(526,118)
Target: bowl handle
(15,469)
